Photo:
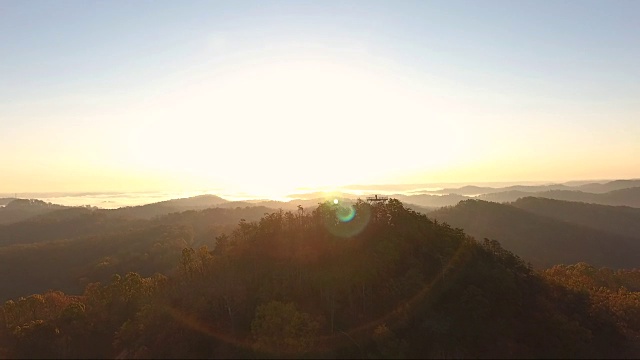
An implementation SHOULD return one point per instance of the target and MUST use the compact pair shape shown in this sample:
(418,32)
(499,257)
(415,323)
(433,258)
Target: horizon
(432,186)
(265,98)
(117,199)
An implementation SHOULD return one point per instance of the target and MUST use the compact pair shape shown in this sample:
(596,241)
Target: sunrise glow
(273,105)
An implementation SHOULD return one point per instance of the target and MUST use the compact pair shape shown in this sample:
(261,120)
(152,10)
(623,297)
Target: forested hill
(621,220)
(341,281)
(544,241)
(69,248)
(61,224)
(149,211)
(20,209)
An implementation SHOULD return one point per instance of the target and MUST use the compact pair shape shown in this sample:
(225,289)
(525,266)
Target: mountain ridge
(543,241)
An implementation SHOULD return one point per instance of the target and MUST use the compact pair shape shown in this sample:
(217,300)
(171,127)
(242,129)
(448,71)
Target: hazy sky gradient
(265,96)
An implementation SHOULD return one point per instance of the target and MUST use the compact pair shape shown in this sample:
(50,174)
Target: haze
(270,97)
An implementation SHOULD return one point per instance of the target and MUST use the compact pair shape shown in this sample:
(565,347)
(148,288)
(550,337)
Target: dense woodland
(337,281)
(67,249)
(547,232)
(621,220)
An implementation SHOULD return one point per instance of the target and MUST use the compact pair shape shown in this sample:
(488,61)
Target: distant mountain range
(594,187)
(620,197)
(617,193)
(614,193)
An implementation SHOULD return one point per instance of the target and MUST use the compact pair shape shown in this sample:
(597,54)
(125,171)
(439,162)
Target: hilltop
(340,281)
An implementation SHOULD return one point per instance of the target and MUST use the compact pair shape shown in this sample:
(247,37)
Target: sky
(269,96)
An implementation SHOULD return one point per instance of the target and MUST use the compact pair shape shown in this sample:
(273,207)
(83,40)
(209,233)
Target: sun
(274,126)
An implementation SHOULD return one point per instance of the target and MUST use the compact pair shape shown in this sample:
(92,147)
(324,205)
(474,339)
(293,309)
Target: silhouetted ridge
(622,197)
(149,211)
(610,186)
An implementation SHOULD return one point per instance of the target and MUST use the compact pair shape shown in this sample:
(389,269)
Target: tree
(280,329)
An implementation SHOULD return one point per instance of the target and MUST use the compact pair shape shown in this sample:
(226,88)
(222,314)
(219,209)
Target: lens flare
(345,213)
(346,218)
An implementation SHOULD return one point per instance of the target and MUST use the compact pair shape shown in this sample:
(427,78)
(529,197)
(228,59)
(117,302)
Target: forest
(298,179)
(338,280)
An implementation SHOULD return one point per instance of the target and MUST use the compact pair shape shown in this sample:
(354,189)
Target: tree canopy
(343,280)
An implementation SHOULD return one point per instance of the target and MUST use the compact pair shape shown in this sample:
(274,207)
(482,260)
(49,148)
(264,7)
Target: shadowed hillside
(62,224)
(621,220)
(22,209)
(68,248)
(541,240)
